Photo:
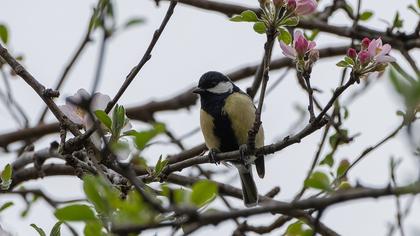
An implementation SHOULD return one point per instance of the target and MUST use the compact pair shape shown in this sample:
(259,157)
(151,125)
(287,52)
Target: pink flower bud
(305,7)
(364,57)
(365,43)
(301,45)
(351,52)
(291,5)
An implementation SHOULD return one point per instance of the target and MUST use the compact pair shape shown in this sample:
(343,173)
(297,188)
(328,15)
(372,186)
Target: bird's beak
(198,90)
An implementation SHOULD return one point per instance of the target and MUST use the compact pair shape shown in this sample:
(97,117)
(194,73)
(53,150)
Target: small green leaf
(6,177)
(400,113)
(260,28)
(245,16)
(93,228)
(4,34)
(328,160)
(203,192)
(118,120)
(292,21)
(418,3)
(134,21)
(346,113)
(349,60)
(5,206)
(343,167)
(343,64)
(104,118)
(75,213)
(284,36)
(398,22)
(413,9)
(236,18)
(40,231)
(318,180)
(249,16)
(55,231)
(338,138)
(144,137)
(90,186)
(344,185)
(160,165)
(366,15)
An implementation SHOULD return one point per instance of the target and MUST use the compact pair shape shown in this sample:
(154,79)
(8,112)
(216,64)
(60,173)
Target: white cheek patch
(222,87)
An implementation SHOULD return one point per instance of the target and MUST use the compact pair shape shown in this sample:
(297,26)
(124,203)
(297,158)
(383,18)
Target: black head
(214,82)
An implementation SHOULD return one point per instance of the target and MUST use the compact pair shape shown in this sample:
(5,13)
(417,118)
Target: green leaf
(134,21)
(338,138)
(6,177)
(160,165)
(342,168)
(284,35)
(318,180)
(4,34)
(313,35)
(413,9)
(118,120)
(90,186)
(77,212)
(55,231)
(349,60)
(93,228)
(349,8)
(398,22)
(328,160)
(292,21)
(144,137)
(260,28)
(104,118)
(203,192)
(343,64)
(249,16)
(418,3)
(245,16)
(366,15)
(5,206)
(40,231)
(297,229)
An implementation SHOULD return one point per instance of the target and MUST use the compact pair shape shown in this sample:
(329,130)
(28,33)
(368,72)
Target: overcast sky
(47,32)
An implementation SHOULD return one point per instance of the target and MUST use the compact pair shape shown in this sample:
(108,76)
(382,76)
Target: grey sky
(47,33)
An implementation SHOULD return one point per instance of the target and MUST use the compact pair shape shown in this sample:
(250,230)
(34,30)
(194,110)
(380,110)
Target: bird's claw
(213,156)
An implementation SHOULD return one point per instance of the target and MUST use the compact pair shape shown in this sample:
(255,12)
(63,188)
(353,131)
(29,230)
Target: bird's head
(214,83)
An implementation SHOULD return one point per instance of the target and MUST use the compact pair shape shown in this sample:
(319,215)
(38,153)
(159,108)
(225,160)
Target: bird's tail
(249,189)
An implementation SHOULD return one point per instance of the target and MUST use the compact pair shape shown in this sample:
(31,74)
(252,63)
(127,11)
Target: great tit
(226,116)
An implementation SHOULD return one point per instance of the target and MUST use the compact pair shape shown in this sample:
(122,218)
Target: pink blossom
(379,52)
(300,46)
(305,7)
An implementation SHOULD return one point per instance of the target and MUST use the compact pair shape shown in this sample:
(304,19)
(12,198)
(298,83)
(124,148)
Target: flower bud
(291,5)
(365,43)
(364,57)
(301,45)
(305,7)
(351,52)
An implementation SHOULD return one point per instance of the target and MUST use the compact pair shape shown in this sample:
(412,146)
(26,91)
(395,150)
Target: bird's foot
(213,156)
(243,149)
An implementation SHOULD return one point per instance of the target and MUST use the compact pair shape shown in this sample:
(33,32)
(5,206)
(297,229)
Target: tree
(127,193)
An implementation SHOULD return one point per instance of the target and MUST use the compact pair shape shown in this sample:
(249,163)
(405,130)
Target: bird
(226,115)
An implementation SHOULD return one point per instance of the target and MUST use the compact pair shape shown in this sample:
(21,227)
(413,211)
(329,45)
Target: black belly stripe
(222,125)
